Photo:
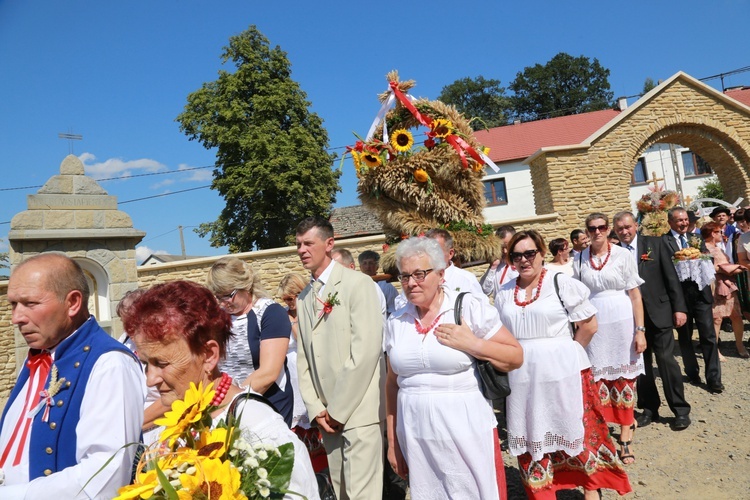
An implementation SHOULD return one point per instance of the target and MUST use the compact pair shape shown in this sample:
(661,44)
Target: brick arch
(571,181)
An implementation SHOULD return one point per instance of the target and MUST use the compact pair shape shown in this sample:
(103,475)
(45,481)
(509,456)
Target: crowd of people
(378,389)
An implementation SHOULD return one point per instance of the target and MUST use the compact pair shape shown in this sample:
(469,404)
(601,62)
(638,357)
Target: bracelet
(640,328)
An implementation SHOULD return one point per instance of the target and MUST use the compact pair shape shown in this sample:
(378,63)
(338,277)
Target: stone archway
(572,181)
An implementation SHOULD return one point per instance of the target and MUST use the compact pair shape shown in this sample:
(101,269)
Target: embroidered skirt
(597,466)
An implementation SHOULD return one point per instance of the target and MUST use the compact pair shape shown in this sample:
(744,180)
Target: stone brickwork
(574,181)
(7,346)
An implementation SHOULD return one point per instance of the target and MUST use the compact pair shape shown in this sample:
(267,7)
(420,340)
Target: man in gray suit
(340,363)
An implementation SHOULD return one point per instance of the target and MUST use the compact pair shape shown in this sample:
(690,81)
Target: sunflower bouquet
(192,460)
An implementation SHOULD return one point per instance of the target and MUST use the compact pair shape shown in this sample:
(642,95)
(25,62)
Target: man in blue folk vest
(79,397)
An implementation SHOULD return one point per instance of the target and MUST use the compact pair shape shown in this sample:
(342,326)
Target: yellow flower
(442,127)
(402,140)
(215,479)
(486,150)
(420,175)
(185,412)
(371,159)
(143,487)
(356,159)
(213,442)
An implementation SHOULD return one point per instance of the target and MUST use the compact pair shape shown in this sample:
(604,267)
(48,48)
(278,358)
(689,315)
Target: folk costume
(103,393)
(555,422)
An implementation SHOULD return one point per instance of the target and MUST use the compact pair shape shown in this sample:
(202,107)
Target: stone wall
(7,346)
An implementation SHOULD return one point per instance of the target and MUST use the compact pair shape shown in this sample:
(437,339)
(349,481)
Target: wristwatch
(640,328)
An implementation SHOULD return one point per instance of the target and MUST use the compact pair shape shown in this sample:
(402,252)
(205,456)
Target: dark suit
(662,295)
(700,304)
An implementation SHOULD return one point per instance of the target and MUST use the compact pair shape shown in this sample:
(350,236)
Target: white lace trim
(699,270)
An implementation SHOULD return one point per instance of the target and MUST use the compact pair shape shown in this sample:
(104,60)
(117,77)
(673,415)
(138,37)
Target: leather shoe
(681,422)
(695,380)
(646,418)
(716,388)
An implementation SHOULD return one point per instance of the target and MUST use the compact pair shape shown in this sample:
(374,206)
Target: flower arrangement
(331,300)
(194,461)
(647,255)
(652,210)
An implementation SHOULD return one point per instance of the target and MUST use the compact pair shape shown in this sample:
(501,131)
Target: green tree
(566,85)
(480,98)
(272,167)
(711,188)
(648,84)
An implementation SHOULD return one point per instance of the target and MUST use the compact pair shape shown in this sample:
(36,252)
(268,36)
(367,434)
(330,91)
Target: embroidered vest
(52,446)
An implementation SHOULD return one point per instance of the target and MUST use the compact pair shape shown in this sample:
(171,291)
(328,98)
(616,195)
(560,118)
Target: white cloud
(202,175)
(165,182)
(117,167)
(143,252)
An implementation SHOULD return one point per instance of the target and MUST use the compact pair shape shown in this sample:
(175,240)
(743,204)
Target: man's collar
(326,274)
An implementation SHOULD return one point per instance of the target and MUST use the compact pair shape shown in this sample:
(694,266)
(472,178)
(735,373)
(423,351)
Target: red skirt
(597,466)
(618,398)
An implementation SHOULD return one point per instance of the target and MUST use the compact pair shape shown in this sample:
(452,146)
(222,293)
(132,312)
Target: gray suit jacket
(340,355)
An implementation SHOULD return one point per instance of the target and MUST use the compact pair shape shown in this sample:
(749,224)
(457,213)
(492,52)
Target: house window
(694,165)
(495,193)
(640,176)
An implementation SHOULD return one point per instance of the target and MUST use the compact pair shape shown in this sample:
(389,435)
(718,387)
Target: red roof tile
(742,95)
(519,141)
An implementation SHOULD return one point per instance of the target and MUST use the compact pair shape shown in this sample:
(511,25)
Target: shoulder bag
(495,383)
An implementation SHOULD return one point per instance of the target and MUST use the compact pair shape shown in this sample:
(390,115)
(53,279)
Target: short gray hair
(416,246)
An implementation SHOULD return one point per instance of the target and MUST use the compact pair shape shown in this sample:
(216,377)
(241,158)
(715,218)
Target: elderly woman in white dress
(441,430)
(555,424)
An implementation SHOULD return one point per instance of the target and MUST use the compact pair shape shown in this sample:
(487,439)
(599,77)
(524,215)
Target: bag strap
(232,411)
(557,290)
(457,308)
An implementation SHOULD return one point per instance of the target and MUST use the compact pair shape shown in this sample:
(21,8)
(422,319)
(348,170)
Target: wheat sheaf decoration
(421,168)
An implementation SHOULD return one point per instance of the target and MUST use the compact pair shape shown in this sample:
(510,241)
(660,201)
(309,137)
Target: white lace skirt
(545,407)
(612,350)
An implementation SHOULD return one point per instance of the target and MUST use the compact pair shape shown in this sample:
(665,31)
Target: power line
(163,194)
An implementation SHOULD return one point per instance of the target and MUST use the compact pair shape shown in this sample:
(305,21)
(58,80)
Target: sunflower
(185,412)
(143,487)
(356,158)
(213,442)
(371,159)
(214,480)
(420,175)
(442,127)
(402,140)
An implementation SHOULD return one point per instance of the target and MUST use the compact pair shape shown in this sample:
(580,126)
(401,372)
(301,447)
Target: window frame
(491,182)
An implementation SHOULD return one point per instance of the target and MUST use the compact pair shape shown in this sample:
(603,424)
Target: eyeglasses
(227,298)
(602,228)
(528,254)
(418,276)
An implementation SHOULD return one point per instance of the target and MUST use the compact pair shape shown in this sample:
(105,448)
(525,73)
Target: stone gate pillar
(72,214)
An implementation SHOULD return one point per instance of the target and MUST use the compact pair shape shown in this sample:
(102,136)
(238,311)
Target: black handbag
(495,383)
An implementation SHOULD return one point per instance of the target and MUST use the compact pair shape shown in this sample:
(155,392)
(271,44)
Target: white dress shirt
(111,416)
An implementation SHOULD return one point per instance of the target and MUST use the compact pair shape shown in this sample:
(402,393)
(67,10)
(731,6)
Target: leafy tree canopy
(566,85)
(478,98)
(648,84)
(272,167)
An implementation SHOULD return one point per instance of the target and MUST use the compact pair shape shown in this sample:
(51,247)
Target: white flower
(264,492)
(262,454)
(252,462)
(263,483)
(262,473)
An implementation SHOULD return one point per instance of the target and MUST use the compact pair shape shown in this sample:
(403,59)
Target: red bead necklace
(221,389)
(606,259)
(423,330)
(533,297)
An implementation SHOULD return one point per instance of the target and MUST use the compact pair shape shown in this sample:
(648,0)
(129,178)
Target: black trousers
(660,343)
(699,315)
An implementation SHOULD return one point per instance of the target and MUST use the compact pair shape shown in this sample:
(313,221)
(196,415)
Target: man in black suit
(664,307)
(700,303)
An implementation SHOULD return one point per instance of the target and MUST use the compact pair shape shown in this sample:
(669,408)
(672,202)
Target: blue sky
(118,73)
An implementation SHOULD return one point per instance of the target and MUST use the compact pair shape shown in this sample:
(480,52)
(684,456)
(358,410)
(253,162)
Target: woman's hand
(640,342)
(396,459)
(459,337)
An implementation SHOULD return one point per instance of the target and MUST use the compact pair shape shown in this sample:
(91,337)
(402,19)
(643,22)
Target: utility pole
(182,241)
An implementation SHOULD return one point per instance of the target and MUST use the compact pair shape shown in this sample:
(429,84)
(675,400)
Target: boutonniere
(331,300)
(48,395)
(647,255)
(694,242)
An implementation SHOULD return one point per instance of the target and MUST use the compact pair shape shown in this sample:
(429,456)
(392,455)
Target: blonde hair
(291,285)
(230,273)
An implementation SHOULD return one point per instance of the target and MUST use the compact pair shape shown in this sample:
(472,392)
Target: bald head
(61,274)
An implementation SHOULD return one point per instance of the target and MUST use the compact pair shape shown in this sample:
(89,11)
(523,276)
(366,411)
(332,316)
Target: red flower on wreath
(429,143)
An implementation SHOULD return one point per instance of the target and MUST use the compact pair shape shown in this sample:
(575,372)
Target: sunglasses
(602,228)
(528,255)
(227,298)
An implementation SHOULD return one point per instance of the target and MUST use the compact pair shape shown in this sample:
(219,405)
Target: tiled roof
(519,141)
(350,222)
(742,95)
